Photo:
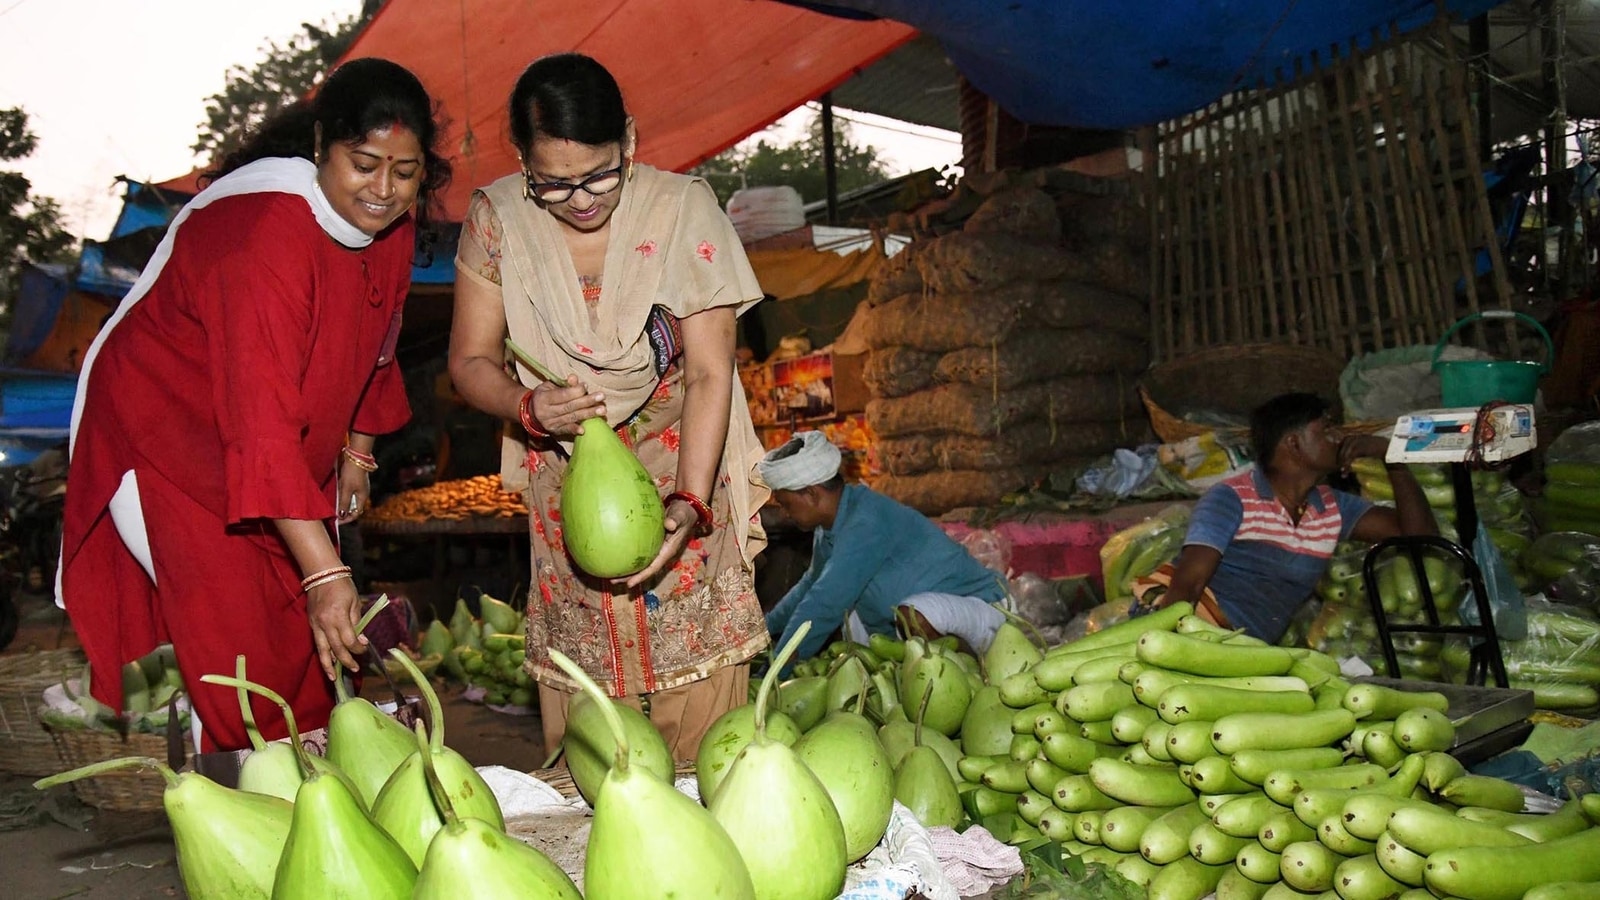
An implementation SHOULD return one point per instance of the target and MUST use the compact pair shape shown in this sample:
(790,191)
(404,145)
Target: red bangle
(702,510)
(366,462)
(529,423)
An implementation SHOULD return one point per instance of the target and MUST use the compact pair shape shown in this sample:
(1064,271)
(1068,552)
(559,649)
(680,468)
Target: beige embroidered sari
(670,246)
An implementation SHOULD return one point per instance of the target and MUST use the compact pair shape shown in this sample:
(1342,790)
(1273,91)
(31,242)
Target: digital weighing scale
(1489,719)
(1446,435)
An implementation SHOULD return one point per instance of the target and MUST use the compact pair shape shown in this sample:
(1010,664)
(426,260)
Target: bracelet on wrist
(329,579)
(702,510)
(333,573)
(530,423)
(366,462)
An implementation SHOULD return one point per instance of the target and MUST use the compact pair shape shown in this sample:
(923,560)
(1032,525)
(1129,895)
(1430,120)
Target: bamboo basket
(1233,378)
(25,747)
(125,790)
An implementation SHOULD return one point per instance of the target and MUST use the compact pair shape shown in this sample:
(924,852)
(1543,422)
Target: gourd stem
(109,765)
(771,678)
(922,710)
(538,367)
(435,709)
(306,770)
(441,797)
(607,709)
(1038,639)
(245,712)
(378,606)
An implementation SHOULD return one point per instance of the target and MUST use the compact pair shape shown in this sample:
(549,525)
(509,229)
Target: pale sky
(118,87)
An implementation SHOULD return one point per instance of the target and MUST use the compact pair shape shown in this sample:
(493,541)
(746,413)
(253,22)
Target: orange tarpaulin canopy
(697,75)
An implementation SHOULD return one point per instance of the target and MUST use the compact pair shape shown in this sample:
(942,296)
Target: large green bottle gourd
(611,513)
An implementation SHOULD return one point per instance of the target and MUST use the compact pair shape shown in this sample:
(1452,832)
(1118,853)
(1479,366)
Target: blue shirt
(877,553)
(1269,563)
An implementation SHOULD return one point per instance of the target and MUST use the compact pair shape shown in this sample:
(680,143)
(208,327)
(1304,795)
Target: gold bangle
(327,579)
(363,461)
(307,581)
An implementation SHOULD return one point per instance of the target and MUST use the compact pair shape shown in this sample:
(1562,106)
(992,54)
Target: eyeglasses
(595,185)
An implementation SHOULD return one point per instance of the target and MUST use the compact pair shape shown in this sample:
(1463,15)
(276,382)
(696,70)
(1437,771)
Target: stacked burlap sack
(1004,351)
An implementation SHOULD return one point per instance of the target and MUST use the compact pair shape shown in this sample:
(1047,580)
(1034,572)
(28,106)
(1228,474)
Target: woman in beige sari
(627,281)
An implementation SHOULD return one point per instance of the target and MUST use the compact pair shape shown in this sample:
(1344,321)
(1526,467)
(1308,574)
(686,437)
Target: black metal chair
(1485,648)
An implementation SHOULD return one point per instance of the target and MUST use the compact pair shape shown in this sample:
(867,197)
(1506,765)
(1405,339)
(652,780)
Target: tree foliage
(799,165)
(30,225)
(286,73)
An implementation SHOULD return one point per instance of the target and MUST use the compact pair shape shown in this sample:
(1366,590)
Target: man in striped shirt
(1259,541)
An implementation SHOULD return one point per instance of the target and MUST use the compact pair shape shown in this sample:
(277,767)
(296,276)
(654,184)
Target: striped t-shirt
(1269,564)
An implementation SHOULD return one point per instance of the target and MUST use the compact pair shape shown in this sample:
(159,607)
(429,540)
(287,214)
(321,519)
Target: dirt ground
(53,847)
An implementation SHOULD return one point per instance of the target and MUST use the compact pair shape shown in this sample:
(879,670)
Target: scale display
(1446,435)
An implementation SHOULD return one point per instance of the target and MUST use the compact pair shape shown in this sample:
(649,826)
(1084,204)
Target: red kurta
(228,390)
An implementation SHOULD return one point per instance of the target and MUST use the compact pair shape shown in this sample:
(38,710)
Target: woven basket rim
(1235,378)
(126,790)
(11,663)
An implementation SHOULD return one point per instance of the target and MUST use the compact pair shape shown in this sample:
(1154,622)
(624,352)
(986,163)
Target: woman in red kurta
(229,407)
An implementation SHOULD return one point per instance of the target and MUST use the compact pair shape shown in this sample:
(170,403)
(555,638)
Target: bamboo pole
(1258,166)
(1479,193)
(1232,221)
(1430,219)
(1302,329)
(1188,293)
(1317,164)
(1392,298)
(1434,86)
(1407,330)
(1343,128)
(1211,199)
(1149,147)
(1306,178)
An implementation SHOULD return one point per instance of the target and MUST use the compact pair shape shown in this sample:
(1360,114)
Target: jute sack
(981,411)
(895,276)
(1024,211)
(1088,219)
(934,493)
(1044,353)
(1113,265)
(897,371)
(939,323)
(960,263)
(1072,304)
(1022,444)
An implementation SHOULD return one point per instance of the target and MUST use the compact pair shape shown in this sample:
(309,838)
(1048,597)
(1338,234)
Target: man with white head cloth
(869,556)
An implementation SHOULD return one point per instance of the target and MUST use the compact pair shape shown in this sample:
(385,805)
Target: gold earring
(316,143)
(527,184)
(629,174)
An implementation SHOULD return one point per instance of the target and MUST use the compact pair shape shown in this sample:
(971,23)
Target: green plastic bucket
(1474,382)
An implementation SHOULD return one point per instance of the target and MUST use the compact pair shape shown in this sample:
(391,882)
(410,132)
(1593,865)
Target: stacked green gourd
(1194,760)
(1344,625)
(1499,504)
(388,813)
(1571,497)
(487,654)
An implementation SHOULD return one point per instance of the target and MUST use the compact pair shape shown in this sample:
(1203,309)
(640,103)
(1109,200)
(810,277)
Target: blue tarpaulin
(35,410)
(1118,64)
(40,291)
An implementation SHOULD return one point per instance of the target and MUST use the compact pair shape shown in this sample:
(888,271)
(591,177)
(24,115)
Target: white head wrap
(790,469)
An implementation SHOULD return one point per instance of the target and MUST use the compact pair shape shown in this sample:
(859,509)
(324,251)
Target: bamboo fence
(1341,206)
